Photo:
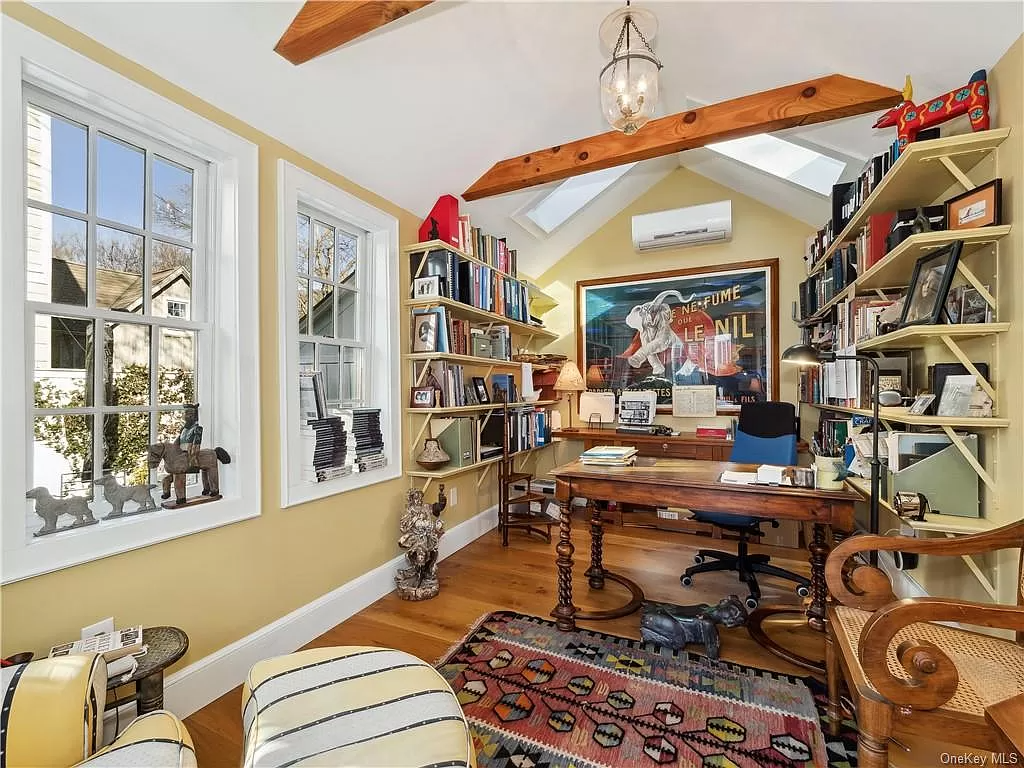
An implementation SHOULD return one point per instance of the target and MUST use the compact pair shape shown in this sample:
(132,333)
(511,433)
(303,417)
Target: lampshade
(595,378)
(629,81)
(569,378)
(802,354)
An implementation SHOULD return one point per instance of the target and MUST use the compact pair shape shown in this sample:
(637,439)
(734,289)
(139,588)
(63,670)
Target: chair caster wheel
(686,581)
(698,559)
(803,591)
(751,603)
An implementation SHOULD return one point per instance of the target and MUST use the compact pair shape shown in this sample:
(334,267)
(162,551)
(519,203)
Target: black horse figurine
(675,626)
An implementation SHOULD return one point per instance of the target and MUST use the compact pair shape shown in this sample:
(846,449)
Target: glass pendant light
(629,81)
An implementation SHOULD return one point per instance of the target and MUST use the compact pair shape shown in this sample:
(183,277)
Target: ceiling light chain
(629,102)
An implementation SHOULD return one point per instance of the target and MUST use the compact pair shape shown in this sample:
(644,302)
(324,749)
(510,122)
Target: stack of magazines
(609,456)
(365,442)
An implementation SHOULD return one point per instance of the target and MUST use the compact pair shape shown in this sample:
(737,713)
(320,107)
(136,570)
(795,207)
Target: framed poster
(708,325)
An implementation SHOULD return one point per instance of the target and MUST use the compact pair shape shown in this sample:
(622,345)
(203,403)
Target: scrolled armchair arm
(933,678)
(862,586)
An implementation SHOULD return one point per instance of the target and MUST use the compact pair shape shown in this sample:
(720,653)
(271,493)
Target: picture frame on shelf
(424,332)
(920,405)
(973,307)
(480,388)
(929,286)
(422,397)
(954,304)
(426,287)
(979,207)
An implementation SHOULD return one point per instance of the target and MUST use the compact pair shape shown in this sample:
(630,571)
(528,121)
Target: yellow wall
(223,584)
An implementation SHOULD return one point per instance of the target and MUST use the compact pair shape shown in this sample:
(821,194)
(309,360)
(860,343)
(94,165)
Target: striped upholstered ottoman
(352,706)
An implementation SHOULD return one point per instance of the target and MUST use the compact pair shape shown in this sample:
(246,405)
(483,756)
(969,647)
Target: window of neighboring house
(338,294)
(328,304)
(131,303)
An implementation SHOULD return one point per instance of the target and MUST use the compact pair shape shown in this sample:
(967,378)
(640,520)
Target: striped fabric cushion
(351,706)
(154,739)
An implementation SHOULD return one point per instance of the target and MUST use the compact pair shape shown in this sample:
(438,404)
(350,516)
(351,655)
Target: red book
(879,226)
(719,432)
(443,222)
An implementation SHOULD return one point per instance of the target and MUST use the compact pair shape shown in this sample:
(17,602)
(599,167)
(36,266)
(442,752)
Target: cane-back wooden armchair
(906,673)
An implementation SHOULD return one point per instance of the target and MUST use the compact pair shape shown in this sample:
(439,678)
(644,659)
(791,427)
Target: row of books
(528,428)
(488,248)
(455,389)
(857,319)
(831,435)
(474,284)
(609,456)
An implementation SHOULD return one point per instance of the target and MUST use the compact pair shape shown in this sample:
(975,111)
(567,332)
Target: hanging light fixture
(629,81)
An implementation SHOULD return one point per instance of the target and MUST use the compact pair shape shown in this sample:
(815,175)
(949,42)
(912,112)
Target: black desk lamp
(805,354)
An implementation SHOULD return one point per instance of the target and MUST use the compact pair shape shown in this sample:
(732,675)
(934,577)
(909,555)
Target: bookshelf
(482,316)
(900,416)
(479,408)
(918,336)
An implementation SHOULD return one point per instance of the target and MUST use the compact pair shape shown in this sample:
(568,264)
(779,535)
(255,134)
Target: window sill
(295,495)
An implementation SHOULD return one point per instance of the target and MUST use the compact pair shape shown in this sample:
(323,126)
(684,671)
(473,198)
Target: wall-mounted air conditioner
(695,225)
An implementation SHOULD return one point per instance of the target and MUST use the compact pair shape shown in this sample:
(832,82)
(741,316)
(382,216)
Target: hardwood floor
(484,577)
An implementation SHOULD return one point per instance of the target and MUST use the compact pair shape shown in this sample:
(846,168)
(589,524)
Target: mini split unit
(695,225)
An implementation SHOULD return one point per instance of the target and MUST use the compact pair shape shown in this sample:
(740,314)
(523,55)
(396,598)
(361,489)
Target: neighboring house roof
(115,288)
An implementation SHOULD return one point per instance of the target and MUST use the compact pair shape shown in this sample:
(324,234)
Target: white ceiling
(425,105)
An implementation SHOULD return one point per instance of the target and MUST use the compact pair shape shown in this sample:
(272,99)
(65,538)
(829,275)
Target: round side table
(166,646)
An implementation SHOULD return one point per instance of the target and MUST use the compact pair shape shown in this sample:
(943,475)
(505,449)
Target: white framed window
(338,309)
(136,294)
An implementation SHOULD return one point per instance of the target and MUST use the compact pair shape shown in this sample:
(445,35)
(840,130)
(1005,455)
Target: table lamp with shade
(570,380)
(806,355)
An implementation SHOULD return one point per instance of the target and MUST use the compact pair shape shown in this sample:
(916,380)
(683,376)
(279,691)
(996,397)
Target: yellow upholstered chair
(906,673)
(52,717)
(352,706)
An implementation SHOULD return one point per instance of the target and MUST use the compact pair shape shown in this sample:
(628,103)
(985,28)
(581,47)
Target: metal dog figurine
(50,509)
(117,494)
(675,626)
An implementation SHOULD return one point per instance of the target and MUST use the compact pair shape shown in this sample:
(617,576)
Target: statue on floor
(421,530)
(675,626)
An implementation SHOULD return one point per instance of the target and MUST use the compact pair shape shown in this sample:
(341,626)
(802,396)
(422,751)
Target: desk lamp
(805,355)
(570,380)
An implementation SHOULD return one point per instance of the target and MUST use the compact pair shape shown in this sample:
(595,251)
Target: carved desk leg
(565,610)
(819,589)
(596,569)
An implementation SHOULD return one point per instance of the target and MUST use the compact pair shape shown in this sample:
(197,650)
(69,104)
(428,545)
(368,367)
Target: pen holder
(828,472)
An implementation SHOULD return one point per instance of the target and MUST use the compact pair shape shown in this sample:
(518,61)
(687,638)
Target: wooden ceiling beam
(813,101)
(322,25)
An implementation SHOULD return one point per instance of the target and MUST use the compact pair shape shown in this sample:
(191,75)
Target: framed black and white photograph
(973,307)
(929,286)
(480,387)
(424,332)
(423,287)
(920,404)
(422,397)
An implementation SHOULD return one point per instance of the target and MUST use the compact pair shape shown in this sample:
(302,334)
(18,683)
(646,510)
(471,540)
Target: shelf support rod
(966,362)
(416,440)
(483,475)
(419,268)
(424,371)
(426,485)
(981,577)
(970,277)
(881,293)
(957,174)
(962,447)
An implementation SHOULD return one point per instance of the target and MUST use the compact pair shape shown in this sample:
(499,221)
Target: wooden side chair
(904,671)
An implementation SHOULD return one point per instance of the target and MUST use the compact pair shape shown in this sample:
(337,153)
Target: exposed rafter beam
(813,101)
(322,25)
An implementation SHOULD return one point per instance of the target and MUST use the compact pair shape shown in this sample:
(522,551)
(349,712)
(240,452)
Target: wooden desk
(694,485)
(685,445)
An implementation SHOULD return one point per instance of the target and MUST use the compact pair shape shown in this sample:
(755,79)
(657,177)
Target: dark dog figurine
(675,626)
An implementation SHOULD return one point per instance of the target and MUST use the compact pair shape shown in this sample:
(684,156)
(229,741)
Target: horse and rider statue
(185,456)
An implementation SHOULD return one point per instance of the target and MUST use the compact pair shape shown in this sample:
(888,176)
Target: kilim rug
(539,698)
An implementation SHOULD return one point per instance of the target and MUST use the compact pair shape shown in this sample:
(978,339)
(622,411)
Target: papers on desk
(609,456)
(766,474)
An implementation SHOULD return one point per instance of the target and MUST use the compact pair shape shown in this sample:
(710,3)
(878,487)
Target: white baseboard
(195,686)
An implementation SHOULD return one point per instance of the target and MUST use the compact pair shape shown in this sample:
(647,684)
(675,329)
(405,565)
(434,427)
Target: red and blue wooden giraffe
(909,118)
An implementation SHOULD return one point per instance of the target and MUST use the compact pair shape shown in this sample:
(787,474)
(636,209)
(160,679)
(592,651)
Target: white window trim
(380,259)
(234,313)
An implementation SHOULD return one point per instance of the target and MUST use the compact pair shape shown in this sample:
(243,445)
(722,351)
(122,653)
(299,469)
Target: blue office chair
(776,448)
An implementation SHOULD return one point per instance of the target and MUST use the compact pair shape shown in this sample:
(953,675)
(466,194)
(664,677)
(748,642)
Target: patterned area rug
(540,698)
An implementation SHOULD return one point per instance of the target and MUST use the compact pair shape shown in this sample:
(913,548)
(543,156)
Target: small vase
(432,456)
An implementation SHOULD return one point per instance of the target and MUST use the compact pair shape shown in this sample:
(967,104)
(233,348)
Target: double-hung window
(329,304)
(129,234)
(115,241)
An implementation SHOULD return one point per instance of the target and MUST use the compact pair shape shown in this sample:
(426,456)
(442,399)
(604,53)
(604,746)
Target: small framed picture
(480,387)
(426,286)
(978,208)
(424,332)
(422,397)
(920,404)
(929,285)
(973,307)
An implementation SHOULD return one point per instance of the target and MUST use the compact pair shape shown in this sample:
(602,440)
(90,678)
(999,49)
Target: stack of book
(609,456)
(365,446)
(329,451)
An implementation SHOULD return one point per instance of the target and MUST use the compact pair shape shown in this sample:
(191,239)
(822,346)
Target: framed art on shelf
(714,326)
(424,332)
(973,307)
(422,397)
(480,388)
(980,207)
(423,287)
(929,286)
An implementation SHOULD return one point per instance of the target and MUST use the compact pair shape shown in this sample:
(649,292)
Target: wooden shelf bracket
(966,362)
(962,447)
(954,170)
(970,277)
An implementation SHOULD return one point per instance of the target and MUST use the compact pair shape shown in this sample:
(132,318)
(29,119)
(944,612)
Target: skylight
(569,197)
(811,170)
